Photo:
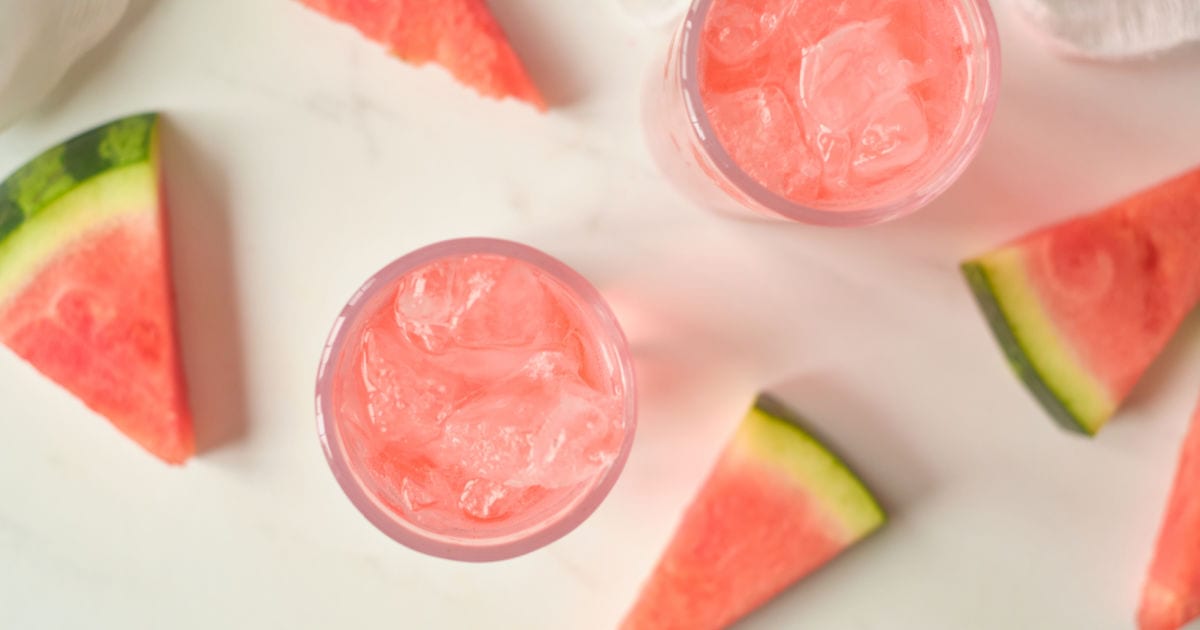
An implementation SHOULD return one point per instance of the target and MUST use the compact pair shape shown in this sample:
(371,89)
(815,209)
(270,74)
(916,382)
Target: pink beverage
(476,399)
(832,112)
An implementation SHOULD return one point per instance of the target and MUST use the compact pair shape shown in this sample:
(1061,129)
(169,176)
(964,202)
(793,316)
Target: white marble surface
(301,159)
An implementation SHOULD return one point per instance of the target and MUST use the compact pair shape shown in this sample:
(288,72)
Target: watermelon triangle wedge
(777,506)
(1171,595)
(85,288)
(1084,307)
(461,35)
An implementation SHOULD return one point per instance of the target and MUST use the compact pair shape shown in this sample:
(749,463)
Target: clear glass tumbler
(524,532)
(683,141)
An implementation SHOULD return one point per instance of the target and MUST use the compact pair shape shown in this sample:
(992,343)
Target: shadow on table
(539,45)
(1180,350)
(862,434)
(206,290)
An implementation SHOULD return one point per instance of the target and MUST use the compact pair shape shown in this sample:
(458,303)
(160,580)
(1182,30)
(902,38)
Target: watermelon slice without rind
(461,35)
(1171,596)
(777,506)
(1084,307)
(85,290)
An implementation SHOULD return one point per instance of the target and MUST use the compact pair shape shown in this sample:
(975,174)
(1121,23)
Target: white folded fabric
(40,39)
(1097,29)
(1115,29)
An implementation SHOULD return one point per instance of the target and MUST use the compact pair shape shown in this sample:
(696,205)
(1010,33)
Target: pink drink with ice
(810,109)
(478,398)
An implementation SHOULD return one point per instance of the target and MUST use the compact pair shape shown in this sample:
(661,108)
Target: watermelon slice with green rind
(460,35)
(85,289)
(1082,308)
(777,506)
(1171,595)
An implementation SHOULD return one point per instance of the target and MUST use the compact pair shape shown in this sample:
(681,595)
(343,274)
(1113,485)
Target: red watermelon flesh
(776,507)
(1171,595)
(461,35)
(377,19)
(1138,263)
(85,289)
(1082,308)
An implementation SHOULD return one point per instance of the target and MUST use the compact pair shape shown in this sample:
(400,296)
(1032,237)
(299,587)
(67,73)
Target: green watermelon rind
(72,188)
(59,170)
(1071,397)
(773,434)
(101,180)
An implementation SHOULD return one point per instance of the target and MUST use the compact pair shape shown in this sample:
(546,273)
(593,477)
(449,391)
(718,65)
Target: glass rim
(969,144)
(510,545)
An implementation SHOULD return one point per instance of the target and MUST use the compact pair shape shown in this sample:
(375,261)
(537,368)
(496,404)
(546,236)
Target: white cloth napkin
(1115,29)
(1097,29)
(40,39)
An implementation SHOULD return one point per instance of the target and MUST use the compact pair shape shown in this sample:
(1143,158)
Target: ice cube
(896,136)
(760,128)
(517,308)
(835,149)
(736,31)
(546,365)
(856,92)
(406,479)
(485,499)
(488,437)
(431,302)
(589,360)
(847,72)
(481,367)
(424,307)
(578,438)
(407,399)
(482,318)
(415,496)
(493,434)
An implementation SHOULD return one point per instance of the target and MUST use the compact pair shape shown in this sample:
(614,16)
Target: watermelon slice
(1171,596)
(777,506)
(1082,308)
(85,291)
(461,35)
